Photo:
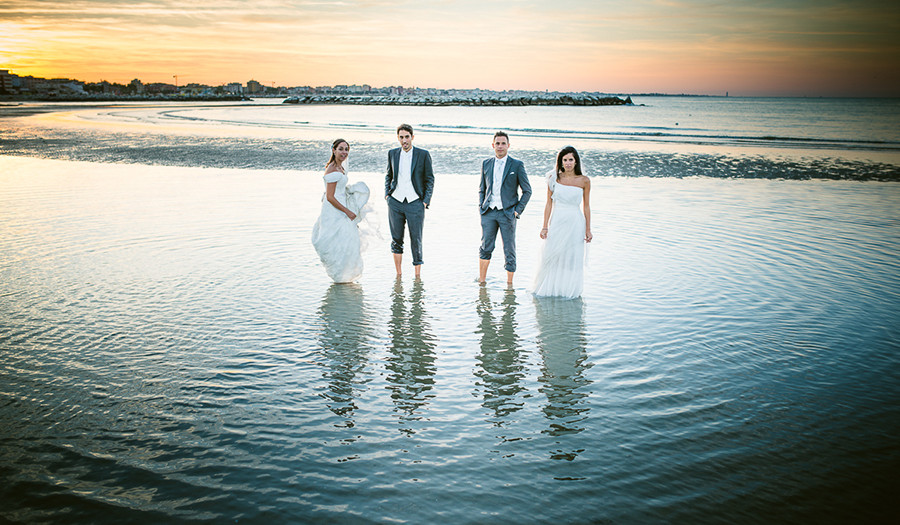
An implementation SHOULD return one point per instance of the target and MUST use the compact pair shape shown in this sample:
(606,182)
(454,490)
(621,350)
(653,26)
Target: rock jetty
(492,99)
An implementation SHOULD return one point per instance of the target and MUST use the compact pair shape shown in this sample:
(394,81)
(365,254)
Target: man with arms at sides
(407,189)
(498,197)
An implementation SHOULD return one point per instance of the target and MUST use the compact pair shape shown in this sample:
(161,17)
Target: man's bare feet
(482,269)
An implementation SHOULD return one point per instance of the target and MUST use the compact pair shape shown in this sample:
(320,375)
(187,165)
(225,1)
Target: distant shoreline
(5,99)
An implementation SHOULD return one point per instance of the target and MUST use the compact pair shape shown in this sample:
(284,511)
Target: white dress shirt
(499,168)
(405,192)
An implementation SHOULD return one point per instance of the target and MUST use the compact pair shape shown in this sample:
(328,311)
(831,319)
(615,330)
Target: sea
(171,350)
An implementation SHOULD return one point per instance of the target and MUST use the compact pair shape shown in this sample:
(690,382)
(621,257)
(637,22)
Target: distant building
(25,84)
(254,87)
(72,87)
(234,88)
(137,86)
(6,81)
(194,89)
(160,87)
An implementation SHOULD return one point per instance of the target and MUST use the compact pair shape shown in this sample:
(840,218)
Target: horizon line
(727,93)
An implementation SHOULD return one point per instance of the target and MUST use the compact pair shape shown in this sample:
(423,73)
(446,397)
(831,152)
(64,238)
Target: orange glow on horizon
(579,45)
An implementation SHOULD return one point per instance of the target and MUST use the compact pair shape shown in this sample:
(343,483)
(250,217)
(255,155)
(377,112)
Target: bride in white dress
(567,227)
(336,234)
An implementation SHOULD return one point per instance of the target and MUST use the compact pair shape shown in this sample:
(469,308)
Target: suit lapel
(506,168)
(490,176)
(395,159)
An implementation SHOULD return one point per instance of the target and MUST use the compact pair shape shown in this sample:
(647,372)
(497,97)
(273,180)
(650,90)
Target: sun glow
(796,47)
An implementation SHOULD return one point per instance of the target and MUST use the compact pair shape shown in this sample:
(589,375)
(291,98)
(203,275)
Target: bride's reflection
(344,339)
(562,342)
(411,358)
(500,367)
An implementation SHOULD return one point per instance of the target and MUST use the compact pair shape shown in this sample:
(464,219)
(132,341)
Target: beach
(173,351)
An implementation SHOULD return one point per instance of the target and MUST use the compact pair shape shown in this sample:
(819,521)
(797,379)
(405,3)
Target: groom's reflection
(500,366)
(344,339)
(562,342)
(411,359)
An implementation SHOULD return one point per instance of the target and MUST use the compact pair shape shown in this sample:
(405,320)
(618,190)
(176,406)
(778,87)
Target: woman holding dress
(567,226)
(336,233)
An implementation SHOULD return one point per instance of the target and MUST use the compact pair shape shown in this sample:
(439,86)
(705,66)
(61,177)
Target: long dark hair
(565,151)
(334,145)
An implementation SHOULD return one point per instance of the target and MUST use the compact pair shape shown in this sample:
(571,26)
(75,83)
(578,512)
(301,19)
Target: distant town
(23,88)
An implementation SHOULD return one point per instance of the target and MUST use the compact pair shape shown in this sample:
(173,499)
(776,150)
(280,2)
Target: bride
(561,272)
(336,233)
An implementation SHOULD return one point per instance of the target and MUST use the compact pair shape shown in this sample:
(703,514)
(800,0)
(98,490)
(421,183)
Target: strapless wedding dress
(337,238)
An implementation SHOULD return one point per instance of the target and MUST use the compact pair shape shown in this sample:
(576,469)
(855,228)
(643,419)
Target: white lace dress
(337,238)
(561,272)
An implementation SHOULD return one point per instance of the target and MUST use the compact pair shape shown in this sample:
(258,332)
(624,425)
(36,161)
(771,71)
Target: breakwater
(489,99)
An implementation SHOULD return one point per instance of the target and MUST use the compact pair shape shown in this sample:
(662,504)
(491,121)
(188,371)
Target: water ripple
(179,356)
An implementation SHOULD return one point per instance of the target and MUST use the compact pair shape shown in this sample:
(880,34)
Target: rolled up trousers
(505,221)
(401,214)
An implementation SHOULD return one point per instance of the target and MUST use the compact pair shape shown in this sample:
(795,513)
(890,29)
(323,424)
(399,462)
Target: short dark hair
(501,134)
(565,151)
(405,127)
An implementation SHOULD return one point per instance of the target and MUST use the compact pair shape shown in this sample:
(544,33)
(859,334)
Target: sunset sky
(756,47)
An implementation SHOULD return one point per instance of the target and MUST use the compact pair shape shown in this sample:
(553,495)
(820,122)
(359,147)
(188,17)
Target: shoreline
(9,99)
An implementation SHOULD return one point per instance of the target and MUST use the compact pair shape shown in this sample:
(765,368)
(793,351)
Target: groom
(501,205)
(407,189)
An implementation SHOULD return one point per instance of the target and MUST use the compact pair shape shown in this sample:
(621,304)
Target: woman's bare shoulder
(331,168)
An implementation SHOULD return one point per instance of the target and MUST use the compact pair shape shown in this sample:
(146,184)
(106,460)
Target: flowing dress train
(337,238)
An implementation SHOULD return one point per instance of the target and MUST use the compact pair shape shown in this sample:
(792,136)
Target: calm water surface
(171,350)
(769,138)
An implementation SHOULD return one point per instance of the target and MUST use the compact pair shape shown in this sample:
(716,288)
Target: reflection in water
(562,341)
(344,339)
(500,366)
(411,358)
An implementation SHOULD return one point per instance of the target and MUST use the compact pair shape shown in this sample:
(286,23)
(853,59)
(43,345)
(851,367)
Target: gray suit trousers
(505,221)
(399,215)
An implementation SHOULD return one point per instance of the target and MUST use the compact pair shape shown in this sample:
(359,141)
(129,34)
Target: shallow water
(171,350)
(797,139)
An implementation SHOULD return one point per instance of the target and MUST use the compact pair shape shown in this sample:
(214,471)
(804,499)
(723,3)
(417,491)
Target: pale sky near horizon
(753,47)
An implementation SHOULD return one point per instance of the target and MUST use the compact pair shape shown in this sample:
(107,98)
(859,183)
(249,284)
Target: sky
(749,48)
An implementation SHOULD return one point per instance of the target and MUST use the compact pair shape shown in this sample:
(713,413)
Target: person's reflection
(411,358)
(500,368)
(562,342)
(344,339)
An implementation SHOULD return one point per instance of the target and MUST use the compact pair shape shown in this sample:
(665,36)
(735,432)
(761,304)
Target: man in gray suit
(498,197)
(407,189)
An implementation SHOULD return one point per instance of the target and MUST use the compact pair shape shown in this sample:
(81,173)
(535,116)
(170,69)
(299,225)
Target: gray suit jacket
(422,173)
(514,177)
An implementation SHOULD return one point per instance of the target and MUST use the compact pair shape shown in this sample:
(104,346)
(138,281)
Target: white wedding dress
(561,272)
(337,238)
